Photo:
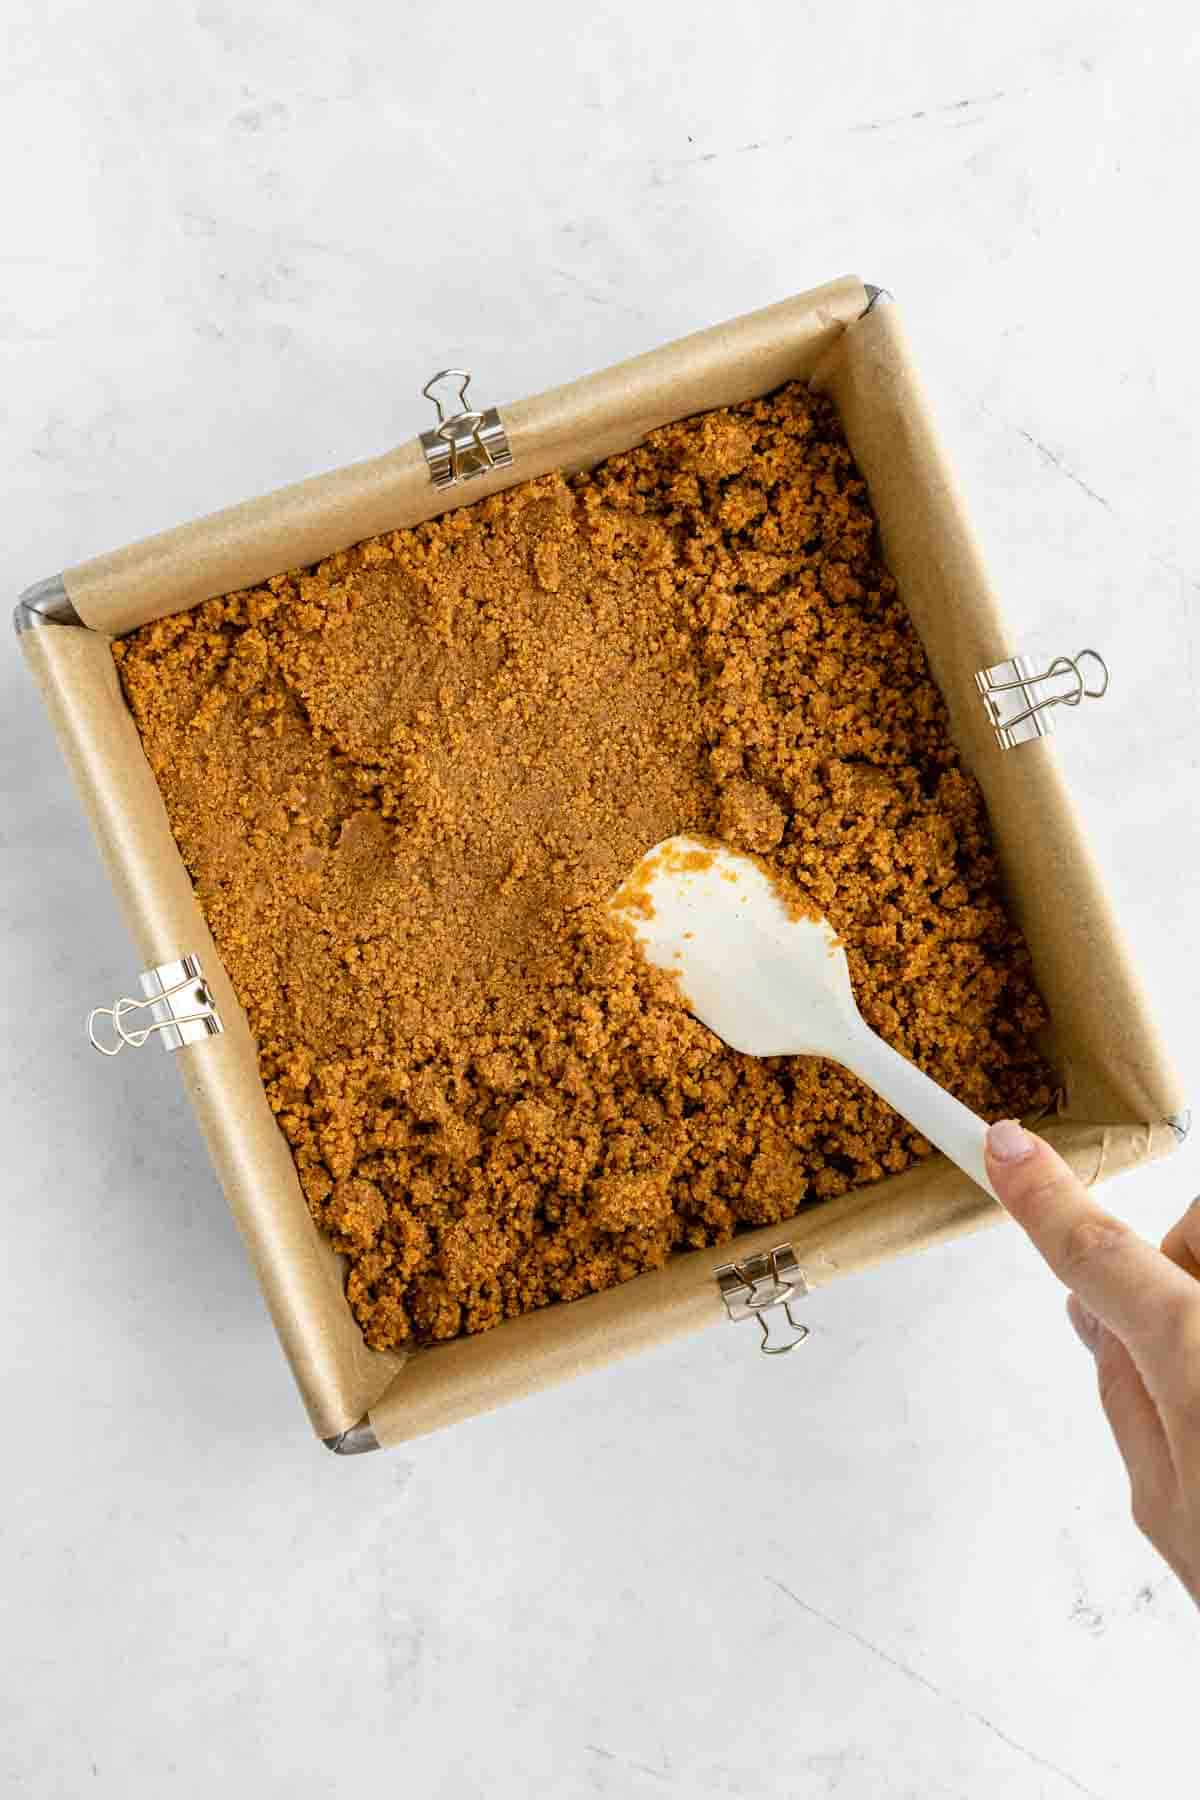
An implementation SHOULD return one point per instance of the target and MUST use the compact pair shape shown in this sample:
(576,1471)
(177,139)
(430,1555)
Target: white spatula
(770,982)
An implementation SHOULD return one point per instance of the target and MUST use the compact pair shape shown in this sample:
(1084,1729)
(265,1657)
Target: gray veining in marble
(234,241)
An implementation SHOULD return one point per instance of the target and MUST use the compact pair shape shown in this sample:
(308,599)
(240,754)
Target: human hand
(1137,1309)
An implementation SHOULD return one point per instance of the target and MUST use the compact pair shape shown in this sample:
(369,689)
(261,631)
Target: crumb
(749,819)
(407,781)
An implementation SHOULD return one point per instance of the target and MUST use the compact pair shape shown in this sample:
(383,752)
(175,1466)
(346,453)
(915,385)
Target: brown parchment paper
(568,427)
(1082,967)
(1118,1083)
(913,1211)
(300,1274)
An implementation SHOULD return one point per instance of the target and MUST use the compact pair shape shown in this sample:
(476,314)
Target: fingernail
(1009,1142)
(1086,1324)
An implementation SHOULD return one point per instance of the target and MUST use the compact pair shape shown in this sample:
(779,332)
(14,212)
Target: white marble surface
(235,239)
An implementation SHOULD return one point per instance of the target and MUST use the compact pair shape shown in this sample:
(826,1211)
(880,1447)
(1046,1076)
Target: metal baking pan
(1121,1101)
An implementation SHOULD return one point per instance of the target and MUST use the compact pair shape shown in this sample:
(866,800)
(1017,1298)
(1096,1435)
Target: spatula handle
(937,1115)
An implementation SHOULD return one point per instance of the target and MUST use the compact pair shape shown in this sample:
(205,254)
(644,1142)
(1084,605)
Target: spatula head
(769,978)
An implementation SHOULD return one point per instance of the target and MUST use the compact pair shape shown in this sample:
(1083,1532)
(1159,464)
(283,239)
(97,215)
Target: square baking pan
(1119,1099)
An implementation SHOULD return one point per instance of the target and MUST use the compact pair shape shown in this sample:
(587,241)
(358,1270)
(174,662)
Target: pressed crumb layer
(406,782)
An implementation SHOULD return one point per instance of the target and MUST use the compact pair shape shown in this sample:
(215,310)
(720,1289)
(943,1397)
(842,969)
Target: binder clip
(180,1005)
(465,443)
(1019,702)
(763,1288)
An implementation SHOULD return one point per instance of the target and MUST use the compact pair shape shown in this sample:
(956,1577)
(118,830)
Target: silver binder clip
(179,1003)
(1019,702)
(465,443)
(763,1288)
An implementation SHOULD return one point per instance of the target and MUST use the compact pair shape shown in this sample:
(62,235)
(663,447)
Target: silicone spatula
(771,981)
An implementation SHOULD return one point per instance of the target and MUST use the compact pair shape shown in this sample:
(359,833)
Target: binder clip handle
(463,378)
(178,1000)
(763,1287)
(1019,700)
(121,1037)
(464,443)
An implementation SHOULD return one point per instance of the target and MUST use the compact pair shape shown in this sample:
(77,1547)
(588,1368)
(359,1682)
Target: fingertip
(1012,1156)
(1009,1142)
(1025,1172)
